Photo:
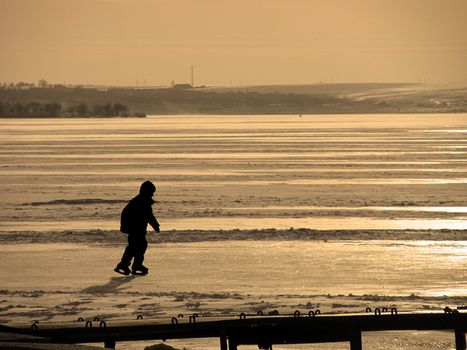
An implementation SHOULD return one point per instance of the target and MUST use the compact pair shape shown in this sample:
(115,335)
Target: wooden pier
(264,331)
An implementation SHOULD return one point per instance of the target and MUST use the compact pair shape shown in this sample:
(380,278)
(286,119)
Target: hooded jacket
(136,216)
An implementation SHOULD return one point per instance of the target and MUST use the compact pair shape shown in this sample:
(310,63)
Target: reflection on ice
(80,170)
(230,223)
(209,182)
(222,155)
(461,131)
(369,208)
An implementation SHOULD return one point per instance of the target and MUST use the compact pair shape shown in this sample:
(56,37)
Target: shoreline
(221,113)
(77,117)
(249,100)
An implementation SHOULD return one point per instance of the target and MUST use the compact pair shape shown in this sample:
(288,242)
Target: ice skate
(123,270)
(139,270)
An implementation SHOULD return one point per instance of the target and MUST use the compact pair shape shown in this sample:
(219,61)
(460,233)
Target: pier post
(460,340)
(223,340)
(355,339)
(232,344)
(109,343)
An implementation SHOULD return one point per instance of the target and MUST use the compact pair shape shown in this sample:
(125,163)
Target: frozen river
(366,174)
(214,172)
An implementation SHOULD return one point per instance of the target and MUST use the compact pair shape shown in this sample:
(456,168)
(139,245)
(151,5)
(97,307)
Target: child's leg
(140,246)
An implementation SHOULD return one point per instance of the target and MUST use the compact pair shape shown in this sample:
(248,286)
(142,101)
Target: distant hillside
(312,89)
(275,99)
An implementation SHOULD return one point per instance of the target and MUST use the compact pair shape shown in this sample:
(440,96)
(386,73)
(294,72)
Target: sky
(233,42)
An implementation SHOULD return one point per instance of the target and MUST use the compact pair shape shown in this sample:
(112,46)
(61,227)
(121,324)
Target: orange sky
(120,42)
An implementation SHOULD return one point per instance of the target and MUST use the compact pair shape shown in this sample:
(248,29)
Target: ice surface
(381,200)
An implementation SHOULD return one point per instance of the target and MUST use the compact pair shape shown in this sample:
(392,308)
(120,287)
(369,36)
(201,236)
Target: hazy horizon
(155,42)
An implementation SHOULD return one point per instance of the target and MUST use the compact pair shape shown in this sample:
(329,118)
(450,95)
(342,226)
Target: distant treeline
(45,100)
(55,109)
(163,101)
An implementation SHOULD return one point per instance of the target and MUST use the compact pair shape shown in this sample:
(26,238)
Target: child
(134,221)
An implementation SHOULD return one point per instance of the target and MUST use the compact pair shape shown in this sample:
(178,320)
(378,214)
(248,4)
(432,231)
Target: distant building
(182,86)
